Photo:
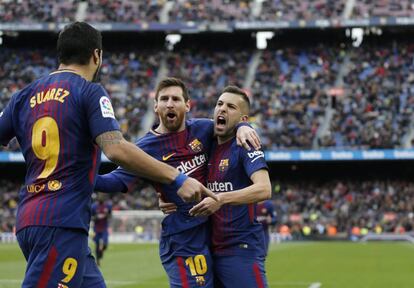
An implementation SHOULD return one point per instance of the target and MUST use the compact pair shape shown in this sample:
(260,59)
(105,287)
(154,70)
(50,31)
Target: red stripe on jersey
(46,210)
(251,212)
(258,276)
(48,268)
(92,171)
(183,274)
(39,208)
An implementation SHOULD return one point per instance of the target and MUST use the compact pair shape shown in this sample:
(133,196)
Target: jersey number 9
(46,144)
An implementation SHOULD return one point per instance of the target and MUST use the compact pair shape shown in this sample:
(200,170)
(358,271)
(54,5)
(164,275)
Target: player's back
(56,120)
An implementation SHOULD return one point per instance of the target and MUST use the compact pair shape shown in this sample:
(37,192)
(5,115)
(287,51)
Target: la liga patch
(106,107)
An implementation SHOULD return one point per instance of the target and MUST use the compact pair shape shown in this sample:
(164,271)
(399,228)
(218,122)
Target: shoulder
(90,87)
(147,141)
(199,122)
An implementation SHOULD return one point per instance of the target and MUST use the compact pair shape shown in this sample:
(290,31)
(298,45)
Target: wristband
(178,181)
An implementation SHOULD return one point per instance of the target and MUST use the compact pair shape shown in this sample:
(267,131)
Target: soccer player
(61,122)
(267,216)
(101,213)
(184,144)
(241,179)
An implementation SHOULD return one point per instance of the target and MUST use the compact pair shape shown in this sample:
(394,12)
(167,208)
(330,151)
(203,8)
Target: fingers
(168,211)
(195,210)
(200,210)
(255,140)
(209,193)
(167,206)
(238,142)
(245,144)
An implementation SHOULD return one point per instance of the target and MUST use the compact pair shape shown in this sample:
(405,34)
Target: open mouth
(221,121)
(171,116)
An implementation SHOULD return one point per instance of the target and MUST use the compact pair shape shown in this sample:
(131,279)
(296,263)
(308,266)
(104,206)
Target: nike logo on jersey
(165,158)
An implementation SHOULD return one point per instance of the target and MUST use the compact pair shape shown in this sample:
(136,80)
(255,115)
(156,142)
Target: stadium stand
(290,85)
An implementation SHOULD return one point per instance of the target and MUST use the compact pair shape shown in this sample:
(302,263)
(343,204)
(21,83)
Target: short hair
(236,90)
(76,43)
(170,82)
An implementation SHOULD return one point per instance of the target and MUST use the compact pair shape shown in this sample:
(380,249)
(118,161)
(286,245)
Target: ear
(155,106)
(187,106)
(97,56)
(244,118)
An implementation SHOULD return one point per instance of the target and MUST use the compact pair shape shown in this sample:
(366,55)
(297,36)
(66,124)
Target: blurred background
(332,89)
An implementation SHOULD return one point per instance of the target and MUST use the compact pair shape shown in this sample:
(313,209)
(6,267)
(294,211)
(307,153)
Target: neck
(81,70)
(225,138)
(164,130)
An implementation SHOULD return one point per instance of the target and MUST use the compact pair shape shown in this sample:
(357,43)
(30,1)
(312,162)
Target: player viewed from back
(101,213)
(183,144)
(267,216)
(61,122)
(241,179)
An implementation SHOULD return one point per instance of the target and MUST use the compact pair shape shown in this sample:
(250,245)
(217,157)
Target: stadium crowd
(132,11)
(290,94)
(377,112)
(290,90)
(344,206)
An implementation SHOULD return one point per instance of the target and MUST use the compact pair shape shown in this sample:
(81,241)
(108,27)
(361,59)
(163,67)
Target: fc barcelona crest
(196,145)
(224,165)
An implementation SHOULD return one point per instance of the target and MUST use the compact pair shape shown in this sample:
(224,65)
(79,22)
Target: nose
(170,102)
(222,108)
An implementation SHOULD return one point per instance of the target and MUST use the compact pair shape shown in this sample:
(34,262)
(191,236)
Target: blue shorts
(239,271)
(101,236)
(58,258)
(186,258)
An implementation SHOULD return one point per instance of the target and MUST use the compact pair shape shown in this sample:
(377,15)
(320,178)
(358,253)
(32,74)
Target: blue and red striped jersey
(265,212)
(235,229)
(101,212)
(56,120)
(188,152)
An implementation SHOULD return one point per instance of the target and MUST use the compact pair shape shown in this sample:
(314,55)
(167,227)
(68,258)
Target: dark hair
(169,82)
(76,43)
(238,91)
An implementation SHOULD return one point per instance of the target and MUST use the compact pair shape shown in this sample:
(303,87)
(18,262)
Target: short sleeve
(253,160)
(100,113)
(6,124)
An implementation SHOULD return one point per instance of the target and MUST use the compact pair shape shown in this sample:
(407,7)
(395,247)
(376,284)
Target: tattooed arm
(132,158)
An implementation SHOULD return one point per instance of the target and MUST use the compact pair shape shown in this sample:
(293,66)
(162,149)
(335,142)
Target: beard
(175,124)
